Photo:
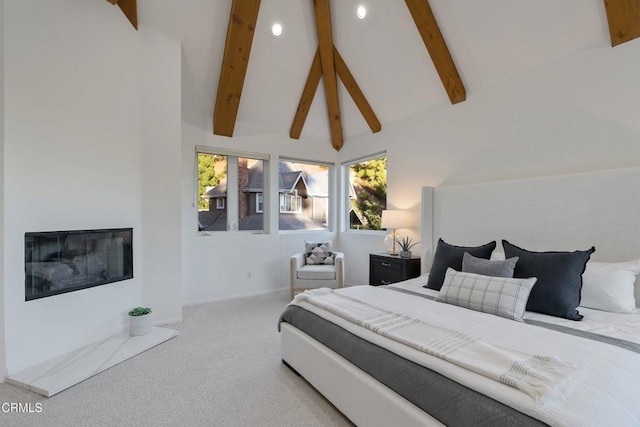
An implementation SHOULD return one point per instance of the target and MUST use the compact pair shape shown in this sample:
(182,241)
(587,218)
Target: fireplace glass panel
(65,261)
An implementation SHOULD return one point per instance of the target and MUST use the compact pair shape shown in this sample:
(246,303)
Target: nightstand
(385,269)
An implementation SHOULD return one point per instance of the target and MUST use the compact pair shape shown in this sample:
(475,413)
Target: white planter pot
(140,325)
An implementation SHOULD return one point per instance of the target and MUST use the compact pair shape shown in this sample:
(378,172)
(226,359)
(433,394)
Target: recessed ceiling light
(361,12)
(276,30)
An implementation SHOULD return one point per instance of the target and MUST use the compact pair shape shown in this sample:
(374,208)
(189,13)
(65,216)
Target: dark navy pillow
(557,290)
(450,256)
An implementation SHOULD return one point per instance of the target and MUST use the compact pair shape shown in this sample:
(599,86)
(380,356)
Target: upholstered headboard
(567,212)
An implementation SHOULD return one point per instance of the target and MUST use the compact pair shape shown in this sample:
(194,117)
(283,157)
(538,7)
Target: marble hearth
(62,372)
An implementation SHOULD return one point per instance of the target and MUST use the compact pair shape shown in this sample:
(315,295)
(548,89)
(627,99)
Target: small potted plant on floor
(405,244)
(139,321)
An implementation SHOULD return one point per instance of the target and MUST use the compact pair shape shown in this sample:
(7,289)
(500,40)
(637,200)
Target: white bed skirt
(365,401)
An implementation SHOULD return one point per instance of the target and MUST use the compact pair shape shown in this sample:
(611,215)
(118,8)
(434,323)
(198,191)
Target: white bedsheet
(623,326)
(604,391)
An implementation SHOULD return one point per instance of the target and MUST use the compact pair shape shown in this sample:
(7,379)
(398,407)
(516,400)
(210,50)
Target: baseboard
(234,297)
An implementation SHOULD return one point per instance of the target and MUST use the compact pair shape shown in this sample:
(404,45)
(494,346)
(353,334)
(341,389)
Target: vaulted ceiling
(385,53)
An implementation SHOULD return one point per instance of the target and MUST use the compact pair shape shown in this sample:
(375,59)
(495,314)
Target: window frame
(233,198)
(219,203)
(346,202)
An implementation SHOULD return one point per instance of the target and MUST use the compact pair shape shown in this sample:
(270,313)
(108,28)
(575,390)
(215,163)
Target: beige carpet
(224,369)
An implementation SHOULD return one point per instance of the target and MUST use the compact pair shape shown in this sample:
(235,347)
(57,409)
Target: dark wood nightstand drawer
(386,269)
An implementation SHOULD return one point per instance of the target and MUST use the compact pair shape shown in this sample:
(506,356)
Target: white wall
(75,142)
(574,113)
(2,314)
(161,151)
(216,266)
(569,114)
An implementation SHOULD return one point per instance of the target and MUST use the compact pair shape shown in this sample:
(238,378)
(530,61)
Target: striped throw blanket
(538,376)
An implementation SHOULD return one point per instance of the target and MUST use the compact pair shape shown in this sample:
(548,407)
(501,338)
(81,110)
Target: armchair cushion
(319,253)
(317,272)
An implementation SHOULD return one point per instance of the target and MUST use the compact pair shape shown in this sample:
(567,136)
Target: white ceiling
(487,39)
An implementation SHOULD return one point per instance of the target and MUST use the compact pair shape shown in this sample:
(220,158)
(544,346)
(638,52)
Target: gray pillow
(502,296)
(472,264)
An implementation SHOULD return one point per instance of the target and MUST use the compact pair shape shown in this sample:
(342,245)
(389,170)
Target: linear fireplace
(64,261)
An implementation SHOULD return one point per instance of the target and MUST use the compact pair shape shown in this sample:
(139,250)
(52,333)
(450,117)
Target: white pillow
(319,253)
(610,286)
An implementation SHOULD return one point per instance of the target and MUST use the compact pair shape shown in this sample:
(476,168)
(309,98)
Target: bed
(384,378)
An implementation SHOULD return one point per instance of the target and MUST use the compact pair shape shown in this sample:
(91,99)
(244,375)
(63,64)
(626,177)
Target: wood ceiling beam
(237,48)
(310,88)
(130,10)
(623,17)
(356,93)
(309,91)
(325,46)
(437,48)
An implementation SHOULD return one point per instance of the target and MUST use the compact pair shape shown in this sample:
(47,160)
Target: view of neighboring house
(303,193)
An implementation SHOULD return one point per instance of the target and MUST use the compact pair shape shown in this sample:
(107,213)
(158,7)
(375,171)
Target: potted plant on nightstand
(139,321)
(405,244)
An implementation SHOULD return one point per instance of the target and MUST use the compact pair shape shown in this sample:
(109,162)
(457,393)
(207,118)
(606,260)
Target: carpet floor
(224,369)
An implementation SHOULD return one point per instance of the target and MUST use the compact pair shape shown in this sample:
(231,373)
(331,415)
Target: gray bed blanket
(445,400)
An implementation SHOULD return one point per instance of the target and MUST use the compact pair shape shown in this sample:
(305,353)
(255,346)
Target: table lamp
(393,219)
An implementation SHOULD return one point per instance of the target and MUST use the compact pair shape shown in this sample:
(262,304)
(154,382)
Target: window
(290,203)
(259,202)
(212,175)
(303,193)
(366,192)
(231,189)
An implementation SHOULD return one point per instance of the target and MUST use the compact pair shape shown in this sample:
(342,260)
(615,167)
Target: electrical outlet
(248,275)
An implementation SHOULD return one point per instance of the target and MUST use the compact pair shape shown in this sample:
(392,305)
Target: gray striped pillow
(502,296)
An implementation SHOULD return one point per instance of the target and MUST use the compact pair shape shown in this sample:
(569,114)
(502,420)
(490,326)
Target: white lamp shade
(394,218)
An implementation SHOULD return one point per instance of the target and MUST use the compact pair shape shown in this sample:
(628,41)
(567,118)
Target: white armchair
(305,276)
